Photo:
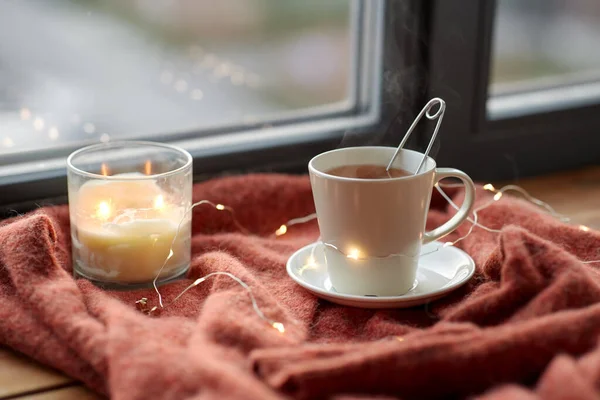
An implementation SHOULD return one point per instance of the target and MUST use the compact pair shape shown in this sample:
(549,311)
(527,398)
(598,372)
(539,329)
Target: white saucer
(439,273)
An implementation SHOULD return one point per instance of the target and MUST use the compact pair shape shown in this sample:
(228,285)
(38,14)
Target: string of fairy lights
(310,262)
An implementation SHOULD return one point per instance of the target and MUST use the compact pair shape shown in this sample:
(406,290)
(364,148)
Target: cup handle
(463,212)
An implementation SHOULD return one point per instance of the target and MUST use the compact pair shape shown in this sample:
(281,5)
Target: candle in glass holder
(125,227)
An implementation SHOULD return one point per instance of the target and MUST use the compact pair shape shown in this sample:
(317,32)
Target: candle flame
(159,202)
(103,210)
(279,326)
(353,253)
(281,231)
(104,169)
(148,167)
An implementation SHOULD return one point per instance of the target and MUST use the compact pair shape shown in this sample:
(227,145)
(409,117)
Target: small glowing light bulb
(103,210)
(198,281)
(584,228)
(159,202)
(53,133)
(196,94)
(353,253)
(89,128)
(497,196)
(38,124)
(281,231)
(279,326)
(25,113)
(220,207)
(180,86)
(489,187)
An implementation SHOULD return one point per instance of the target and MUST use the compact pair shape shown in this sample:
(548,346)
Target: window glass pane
(78,71)
(545,41)
(545,57)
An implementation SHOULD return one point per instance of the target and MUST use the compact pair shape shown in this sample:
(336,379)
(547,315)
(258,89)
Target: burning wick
(104,169)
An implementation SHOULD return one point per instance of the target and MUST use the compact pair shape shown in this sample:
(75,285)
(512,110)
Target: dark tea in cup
(367,171)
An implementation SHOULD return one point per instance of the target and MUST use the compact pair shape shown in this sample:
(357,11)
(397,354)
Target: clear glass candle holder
(128,204)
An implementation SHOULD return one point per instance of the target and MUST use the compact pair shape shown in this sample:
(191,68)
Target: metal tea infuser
(439,115)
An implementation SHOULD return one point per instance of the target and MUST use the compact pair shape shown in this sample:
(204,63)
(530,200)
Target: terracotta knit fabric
(525,327)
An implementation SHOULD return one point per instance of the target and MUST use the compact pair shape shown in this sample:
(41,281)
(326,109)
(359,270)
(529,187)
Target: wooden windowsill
(574,193)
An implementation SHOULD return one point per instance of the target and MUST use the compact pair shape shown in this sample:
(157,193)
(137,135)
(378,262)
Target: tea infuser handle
(463,212)
(439,115)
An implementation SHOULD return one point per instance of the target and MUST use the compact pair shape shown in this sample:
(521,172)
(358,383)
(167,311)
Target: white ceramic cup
(373,229)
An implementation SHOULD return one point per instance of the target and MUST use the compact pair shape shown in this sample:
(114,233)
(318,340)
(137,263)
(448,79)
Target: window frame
(418,51)
(389,38)
(460,50)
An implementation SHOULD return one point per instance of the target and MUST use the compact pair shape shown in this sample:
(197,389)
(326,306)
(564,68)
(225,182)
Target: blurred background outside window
(214,76)
(548,51)
(80,71)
